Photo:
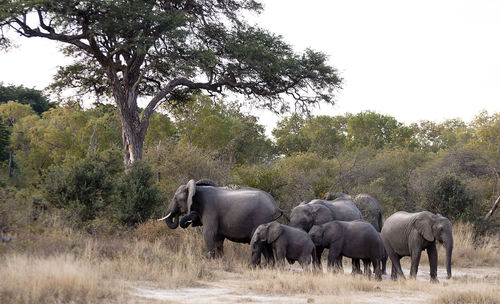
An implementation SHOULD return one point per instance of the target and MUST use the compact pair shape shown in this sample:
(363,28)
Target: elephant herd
(346,226)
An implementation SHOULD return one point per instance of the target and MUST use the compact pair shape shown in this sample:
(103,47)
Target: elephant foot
(434,280)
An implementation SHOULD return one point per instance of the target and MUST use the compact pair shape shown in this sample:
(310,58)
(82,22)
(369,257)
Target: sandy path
(234,291)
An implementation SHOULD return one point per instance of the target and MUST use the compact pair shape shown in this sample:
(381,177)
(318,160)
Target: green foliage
(4,141)
(34,98)
(160,48)
(434,137)
(452,199)
(217,127)
(290,137)
(138,197)
(174,164)
(85,187)
(369,129)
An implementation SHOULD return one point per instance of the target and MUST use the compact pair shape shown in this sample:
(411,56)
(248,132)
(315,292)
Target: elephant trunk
(448,245)
(172,219)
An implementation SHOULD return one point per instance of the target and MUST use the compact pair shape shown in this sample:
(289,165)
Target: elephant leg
(209,235)
(396,270)
(333,257)
(338,263)
(305,261)
(384,265)
(356,266)
(366,265)
(317,259)
(377,269)
(415,260)
(433,257)
(219,247)
(267,251)
(279,255)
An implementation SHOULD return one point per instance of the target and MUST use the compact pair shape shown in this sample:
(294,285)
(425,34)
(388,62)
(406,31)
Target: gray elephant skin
(368,206)
(224,213)
(287,242)
(370,209)
(354,239)
(317,212)
(408,234)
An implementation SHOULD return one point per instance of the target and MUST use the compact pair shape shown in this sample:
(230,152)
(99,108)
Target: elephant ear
(424,227)
(191,187)
(274,230)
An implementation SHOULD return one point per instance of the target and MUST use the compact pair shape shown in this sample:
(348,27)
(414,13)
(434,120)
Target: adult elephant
(370,210)
(408,234)
(224,213)
(318,212)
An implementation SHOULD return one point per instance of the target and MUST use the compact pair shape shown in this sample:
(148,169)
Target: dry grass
(65,266)
(469,252)
(477,294)
(60,279)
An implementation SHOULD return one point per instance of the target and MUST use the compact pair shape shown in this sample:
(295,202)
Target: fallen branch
(495,205)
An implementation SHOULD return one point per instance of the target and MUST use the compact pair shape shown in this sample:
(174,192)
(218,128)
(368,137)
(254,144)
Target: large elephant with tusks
(224,213)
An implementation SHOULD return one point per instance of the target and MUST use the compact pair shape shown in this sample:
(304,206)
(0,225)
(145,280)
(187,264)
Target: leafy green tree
(290,137)
(4,141)
(222,128)
(327,134)
(34,98)
(370,129)
(433,137)
(166,50)
(14,113)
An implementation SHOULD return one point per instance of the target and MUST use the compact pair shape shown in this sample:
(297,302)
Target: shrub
(86,186)
(138,197)
(451,198)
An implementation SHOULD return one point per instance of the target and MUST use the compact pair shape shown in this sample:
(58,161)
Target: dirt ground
(234,289)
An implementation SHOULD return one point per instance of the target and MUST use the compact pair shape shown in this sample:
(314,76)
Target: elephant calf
(356,240)
(287,242)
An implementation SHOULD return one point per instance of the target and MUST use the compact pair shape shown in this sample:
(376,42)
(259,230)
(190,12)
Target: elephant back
(342,209)
(370,210)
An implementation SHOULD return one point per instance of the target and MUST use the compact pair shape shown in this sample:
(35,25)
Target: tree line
(66,158)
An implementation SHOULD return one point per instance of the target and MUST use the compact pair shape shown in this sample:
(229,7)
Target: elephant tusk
(164,217)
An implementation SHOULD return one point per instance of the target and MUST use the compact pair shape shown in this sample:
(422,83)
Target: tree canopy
(166,50)
(32,97)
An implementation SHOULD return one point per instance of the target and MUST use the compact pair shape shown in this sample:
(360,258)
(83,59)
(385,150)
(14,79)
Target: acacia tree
(164,50)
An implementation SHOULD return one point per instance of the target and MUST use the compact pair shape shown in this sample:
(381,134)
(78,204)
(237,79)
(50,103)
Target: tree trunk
(133,129)
(11,163)
(133,142)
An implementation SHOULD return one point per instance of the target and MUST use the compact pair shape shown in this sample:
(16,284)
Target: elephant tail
(282,213)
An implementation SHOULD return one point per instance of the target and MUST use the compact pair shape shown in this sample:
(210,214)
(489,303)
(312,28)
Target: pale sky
(414,60)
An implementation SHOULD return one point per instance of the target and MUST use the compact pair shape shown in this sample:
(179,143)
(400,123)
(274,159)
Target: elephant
(223,213)
(355,239)
(287,242)
(370,209)
(368,206)
(408,234)
(193,219)
(318,212)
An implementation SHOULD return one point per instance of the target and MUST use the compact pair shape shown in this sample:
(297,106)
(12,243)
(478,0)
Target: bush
(138,197)
(85,187)
(451,198)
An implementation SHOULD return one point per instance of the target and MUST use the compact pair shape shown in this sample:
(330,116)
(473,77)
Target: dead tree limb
(495,205)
